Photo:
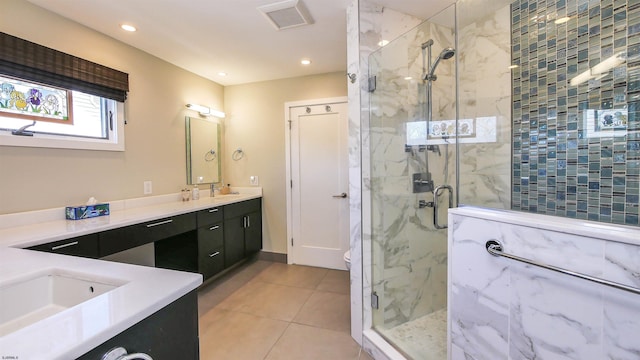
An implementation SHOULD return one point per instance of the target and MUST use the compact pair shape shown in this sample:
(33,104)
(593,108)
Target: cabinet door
(169,333)
(210,250)
(85,246)
(233,240)
(253,233)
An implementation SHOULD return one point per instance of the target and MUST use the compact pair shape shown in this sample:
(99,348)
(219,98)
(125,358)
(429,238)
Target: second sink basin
(36,297)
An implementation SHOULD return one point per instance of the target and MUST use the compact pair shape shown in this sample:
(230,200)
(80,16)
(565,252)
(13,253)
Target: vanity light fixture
(127,27)
(206,111)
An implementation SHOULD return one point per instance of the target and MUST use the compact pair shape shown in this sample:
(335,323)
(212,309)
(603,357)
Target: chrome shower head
(445,54)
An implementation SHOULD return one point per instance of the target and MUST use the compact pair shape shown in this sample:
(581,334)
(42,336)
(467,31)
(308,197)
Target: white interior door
(319,185)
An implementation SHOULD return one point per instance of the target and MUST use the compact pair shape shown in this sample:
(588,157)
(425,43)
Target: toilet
(347,259)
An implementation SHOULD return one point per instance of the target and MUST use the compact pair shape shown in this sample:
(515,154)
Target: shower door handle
(342,196)
(436,195)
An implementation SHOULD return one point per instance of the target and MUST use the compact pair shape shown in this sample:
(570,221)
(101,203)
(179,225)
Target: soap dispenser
(195,193)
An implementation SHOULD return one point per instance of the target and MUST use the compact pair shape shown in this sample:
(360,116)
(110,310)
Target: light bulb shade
(205,110)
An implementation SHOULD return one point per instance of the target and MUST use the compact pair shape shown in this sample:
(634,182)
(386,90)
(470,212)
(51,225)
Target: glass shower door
(412,149)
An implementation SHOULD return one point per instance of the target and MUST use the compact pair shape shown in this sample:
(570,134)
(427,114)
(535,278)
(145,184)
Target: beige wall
(38,178)
(256,123)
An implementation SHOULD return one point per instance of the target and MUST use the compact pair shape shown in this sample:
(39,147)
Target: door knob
(343,195)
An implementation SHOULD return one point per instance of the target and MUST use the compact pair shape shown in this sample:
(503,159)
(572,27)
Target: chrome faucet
(212,190)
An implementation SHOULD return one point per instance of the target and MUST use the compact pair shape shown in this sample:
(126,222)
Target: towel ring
(238,154)
(210,155)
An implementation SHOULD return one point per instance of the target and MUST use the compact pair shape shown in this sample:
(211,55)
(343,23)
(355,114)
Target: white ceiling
(210,36)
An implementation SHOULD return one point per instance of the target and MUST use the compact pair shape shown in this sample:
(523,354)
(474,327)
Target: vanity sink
(33,298)
(227,197)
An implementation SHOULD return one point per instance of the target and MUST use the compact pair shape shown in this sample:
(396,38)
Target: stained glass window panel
(33,101)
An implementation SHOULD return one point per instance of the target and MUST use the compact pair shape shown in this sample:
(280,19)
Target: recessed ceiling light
(383,42)
(562,20)
(127,27)
(513,67)
(222,73)
(408,78)
(305,62)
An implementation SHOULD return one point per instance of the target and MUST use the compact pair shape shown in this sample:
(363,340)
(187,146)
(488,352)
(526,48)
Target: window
(56,117)
(52,99)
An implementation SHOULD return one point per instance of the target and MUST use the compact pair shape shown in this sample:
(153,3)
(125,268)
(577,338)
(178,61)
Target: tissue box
(86,211)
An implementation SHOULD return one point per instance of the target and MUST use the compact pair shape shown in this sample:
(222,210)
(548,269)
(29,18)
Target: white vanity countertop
(75,331)
(27,229)
(612,232)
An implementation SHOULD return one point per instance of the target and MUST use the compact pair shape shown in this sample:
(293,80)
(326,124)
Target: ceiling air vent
(286,14)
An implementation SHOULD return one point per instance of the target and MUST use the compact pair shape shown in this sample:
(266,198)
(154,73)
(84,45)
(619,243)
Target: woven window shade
(29,61)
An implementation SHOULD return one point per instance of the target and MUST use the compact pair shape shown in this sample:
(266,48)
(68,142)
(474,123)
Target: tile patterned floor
(274,311)
(424,338)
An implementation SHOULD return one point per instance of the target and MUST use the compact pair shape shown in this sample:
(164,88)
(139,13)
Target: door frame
(288,181)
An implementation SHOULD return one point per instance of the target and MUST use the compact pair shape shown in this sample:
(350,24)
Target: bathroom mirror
(203,151)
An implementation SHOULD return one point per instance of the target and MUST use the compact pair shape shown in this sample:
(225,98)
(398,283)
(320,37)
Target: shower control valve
(424,204)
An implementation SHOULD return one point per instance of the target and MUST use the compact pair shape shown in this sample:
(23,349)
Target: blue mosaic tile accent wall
(576,108)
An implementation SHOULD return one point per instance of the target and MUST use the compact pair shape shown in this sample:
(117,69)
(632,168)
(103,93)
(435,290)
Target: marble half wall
(504,309)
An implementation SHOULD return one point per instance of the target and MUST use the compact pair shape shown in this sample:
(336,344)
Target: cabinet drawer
(117,240)
(85,246)
(209,216)
(211,237)
(210,262)
(242,208)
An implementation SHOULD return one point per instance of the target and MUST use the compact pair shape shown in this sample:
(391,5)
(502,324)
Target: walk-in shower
(412,122)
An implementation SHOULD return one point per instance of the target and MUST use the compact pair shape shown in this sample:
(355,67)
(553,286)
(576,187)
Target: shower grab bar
(495,248)
(436,195)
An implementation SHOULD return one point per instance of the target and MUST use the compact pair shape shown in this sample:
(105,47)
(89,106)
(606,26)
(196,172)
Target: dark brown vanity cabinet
(210,241)
(116,240)
(242,230)
(169,333)
(206,241)
(84,246)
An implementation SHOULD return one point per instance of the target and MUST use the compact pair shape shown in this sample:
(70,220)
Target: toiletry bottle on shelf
(195,193)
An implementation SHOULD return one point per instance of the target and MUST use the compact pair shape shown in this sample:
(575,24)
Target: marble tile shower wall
(576,145)
(409,261)
(485,91)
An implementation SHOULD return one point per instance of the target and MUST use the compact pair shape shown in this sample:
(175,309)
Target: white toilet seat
(347,259)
